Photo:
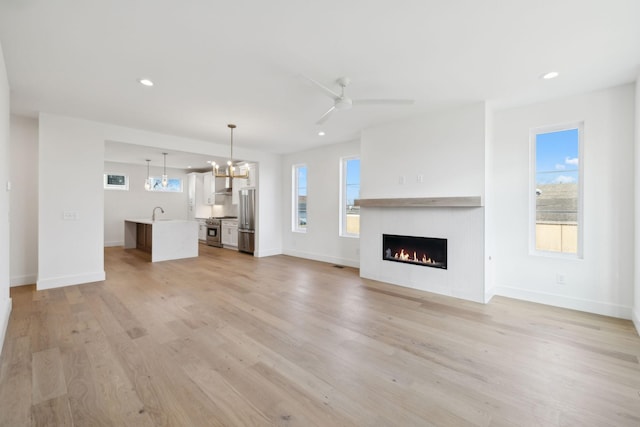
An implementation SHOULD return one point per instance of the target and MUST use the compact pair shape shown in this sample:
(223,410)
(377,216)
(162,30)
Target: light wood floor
(227,339)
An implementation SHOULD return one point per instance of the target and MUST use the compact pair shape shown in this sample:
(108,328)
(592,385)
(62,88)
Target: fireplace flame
(404,256)
(427,251)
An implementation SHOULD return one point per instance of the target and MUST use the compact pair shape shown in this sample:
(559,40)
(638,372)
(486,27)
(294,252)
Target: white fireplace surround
(462,226)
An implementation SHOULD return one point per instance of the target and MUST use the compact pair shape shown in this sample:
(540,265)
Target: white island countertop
(171,238)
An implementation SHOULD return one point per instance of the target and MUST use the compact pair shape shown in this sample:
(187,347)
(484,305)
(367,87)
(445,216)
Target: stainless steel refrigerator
(247,220)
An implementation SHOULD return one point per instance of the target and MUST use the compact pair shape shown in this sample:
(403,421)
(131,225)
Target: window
(174,185)
(349,192)
(557,190)
(299,198)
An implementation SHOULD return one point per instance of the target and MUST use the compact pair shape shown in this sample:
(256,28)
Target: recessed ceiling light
(550,75)
(321,133)
(145,82)
(188,167)
(209,161)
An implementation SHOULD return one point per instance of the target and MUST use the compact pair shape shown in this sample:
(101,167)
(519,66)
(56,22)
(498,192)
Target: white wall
(447,149)
(322,241)
(24,200)
(137,202)
(602,282)
(70,179)
(636,305)
(490,225)
(5,300)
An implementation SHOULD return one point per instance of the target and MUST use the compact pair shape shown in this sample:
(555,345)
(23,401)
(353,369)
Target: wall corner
(5,312)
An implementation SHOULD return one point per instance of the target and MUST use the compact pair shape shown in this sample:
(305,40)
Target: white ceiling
(218,62)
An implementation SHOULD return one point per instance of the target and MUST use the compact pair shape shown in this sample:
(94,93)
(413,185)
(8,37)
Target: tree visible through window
(350,214)
(300,198)
(557,190)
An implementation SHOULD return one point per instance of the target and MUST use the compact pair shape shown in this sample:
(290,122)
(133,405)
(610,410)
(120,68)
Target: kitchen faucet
(153,215)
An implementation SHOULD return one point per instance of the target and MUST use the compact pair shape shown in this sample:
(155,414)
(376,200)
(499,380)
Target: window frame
(295,223)
(343,198)
(579,125)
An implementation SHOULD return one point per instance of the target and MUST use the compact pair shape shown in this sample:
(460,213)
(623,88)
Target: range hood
(224,186)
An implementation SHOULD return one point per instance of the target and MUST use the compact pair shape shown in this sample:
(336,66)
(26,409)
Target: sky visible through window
(557,157)
(302,181)
(353,180)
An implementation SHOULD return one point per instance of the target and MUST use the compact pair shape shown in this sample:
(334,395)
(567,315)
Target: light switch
(70,215)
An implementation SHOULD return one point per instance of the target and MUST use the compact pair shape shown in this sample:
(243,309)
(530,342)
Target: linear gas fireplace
(426,251)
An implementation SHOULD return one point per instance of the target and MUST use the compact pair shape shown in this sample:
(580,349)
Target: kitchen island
(164,239)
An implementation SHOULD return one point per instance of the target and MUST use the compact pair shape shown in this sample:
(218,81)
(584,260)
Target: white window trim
(343,194)
(532,189)
(294,198)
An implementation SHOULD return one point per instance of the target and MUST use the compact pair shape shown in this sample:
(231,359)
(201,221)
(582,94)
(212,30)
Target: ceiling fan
(343,102)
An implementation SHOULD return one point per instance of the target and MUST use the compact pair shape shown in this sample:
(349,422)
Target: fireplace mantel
(422,202)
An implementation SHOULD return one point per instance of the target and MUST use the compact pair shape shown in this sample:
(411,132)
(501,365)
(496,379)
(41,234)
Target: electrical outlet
(420,179)
(560,279)
(401,179)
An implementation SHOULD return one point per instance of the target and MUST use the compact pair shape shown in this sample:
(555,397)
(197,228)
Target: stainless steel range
(214,233)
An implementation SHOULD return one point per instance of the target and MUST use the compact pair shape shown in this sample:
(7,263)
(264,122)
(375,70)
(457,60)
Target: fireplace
(425,251)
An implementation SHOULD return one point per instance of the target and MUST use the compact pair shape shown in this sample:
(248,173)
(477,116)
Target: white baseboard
(324,258)
(267,252)
(28,279)
(636,319)
(5,312)
(78,279)
(589,306)
(488,294)
(110,244)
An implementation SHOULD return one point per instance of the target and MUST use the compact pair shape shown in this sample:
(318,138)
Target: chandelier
(230,170)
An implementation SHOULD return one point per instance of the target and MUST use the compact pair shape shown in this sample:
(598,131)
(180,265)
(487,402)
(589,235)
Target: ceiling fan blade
(326,115)
(333,95)
(383,101)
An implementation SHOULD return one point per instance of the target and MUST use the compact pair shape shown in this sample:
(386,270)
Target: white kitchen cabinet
(240,183)
(208,189)
(253,175)
(196,203)
(202,231)
(191,191)
(230,233)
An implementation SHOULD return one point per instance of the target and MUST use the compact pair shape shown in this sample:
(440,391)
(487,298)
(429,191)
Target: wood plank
(115,392)
(82,390)
(48,376)
(15,382)
(421,202)
(134,363)
(53,412)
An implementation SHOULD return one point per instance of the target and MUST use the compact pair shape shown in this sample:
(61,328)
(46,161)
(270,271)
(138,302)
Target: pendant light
(230,171)
(147,182)
(165,178)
